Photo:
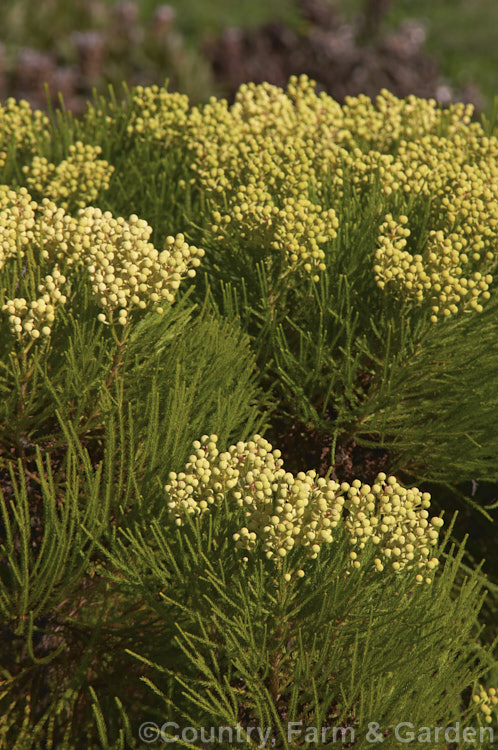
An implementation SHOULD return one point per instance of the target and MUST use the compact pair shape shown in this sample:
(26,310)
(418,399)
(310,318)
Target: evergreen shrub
(289,270)
(355,242)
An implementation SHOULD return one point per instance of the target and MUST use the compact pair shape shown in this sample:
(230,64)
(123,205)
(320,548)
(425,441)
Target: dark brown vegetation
(344,58)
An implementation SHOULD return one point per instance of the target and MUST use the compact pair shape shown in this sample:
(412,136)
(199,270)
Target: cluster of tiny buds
(20,125)
(125,269)
(73,183)
(487,700)
(257,161)
(157,114)
(439,273)
(17,221)
(34,319)
(297,229)
(271,145)
(274,146)
(396,520)
(283,511)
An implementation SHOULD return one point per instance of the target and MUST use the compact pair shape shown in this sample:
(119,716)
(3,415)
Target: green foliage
(393,382)
(52,596)
(335,648)
(330,315)
(344,359)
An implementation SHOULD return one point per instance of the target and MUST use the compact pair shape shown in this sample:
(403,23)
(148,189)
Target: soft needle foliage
(181,285)
(356,243)
(267,640)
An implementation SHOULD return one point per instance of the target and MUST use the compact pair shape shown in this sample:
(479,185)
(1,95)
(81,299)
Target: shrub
(357,244)
(194,624)
(347,259)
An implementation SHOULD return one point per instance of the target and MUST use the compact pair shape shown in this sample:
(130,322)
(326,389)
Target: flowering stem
(279,639)
(118,356)
(116,364)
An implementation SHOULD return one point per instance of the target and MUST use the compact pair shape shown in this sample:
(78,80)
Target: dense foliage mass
(289,270)
(341,236)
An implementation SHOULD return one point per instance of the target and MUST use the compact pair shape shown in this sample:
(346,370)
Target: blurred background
(446,49)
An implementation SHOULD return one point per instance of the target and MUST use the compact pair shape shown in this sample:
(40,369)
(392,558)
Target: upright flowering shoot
(395,519)
(283,511)
(126,271)
(17,220)
(41,241)
(34,239)
(75,182)
(447,261)
(157,114)
(20,126)
(256,162)
(35,319)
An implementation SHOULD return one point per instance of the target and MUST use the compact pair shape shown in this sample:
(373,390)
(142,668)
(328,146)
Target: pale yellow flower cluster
(20,125)
(125,269)
(281,172)
(272,145)
(17,221)
(441,165)
(487,701)
(35,319)
(284,511)
(388,122)
(437,273)
(38,235)
(259,163)
(157,114)
(297,229)
(456,255)
(73,183)
(396,519)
